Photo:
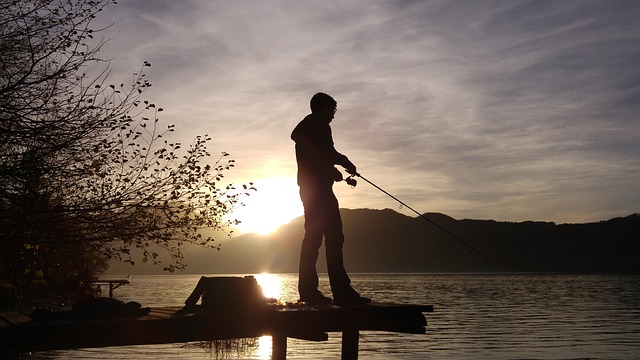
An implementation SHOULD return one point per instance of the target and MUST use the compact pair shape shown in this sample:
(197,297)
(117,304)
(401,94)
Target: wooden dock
(20,333)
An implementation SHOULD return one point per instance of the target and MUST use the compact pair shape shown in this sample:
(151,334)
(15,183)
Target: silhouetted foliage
(87,172)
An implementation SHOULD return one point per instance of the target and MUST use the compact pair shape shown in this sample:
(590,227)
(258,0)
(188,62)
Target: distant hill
(387,241)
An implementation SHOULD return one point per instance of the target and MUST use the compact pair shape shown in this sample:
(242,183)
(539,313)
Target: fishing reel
(351,181)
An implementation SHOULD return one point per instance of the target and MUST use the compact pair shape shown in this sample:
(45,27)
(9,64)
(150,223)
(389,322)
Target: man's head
(323,105)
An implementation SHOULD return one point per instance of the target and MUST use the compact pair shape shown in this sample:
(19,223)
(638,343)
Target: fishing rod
(351,181)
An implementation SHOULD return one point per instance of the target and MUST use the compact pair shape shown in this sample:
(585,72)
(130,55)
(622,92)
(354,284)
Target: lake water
(476,317)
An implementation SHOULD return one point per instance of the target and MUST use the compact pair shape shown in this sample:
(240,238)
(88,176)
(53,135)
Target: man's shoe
(351,300)
(316,299)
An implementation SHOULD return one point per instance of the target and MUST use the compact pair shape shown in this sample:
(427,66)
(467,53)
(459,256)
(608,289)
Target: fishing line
(351,181)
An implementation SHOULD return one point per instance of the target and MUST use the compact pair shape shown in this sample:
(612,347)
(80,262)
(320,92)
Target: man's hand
(351,169)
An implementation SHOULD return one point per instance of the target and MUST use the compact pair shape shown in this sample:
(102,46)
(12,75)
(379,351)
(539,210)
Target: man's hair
(322,100)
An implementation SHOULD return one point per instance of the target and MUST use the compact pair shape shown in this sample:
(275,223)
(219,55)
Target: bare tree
(86,164)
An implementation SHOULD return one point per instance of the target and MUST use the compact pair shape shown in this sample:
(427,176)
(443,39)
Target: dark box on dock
(227,293)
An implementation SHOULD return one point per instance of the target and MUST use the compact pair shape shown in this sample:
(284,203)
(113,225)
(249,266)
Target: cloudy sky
(506,110)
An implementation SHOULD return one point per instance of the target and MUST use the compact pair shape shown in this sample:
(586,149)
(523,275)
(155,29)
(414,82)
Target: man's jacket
(315,153)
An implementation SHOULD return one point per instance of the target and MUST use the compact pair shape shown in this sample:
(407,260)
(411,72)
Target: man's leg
(307,275)
(343,293)
(334,241)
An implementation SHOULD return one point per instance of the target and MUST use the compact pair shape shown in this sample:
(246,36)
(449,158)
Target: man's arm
(344,161)
(339,158)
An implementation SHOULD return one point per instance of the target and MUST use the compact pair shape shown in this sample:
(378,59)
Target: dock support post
(278,347)
(350,339)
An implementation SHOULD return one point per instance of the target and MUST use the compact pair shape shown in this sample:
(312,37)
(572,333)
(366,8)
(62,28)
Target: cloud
(513,110)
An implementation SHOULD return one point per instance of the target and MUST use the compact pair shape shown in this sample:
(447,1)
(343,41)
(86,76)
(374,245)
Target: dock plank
(14,318)
(170,325)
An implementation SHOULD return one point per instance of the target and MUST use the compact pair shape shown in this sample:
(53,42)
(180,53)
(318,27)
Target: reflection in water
(272,289)
(229,348)
(477,316)
(264,347)
(271,285)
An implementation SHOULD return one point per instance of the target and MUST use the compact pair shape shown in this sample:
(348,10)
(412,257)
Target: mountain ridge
(387,241)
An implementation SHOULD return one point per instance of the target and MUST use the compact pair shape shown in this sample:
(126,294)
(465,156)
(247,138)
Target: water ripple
(476,317)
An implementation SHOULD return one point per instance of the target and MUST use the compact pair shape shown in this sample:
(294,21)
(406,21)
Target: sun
(275,203)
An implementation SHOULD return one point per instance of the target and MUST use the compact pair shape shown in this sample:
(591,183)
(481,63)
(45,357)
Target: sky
(505,110)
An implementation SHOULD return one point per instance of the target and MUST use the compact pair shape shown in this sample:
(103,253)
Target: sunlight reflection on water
(476,317)
(264,347)
(271,285)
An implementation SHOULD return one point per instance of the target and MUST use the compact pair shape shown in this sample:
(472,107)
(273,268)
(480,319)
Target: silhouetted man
(316,157)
